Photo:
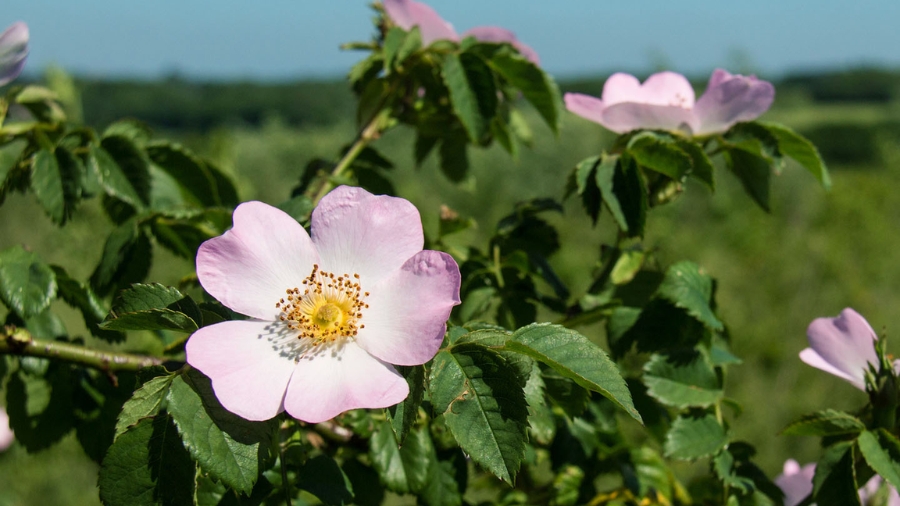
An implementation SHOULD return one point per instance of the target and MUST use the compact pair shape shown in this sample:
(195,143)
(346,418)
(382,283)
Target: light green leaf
(575,357)
(536,85)
(27,284)
(661,154)
(627,266)
(10,154)
(403,469)
(881,450)
(196,181)
(229,448)
(695,437)
(446,482)
(825,423)
(147,466)
(794,145)
(687,286)
(682,381)
(146,402)
(541,422)
(483,406)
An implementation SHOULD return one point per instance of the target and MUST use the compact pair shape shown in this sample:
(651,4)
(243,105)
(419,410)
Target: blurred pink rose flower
(797,482)
(665,101)
(409,13)
(6,434)
(330,313)
(843,346)
(13,50)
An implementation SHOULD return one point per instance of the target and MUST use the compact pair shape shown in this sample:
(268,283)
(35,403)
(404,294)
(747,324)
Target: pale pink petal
(795,482)
(408,311)
(663,88)
(586,106)
(845,343)
(627,116)
(13,51)
(6,434)
(248,363)
(729,99)
(810,357)
(249,267)
(356,232)
(340,378)
(500,35)
(409,13)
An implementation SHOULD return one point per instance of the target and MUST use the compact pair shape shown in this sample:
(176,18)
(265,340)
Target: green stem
(18,341)
(366,136)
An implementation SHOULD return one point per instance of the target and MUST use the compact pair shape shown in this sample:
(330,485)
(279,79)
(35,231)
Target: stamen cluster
(329,307)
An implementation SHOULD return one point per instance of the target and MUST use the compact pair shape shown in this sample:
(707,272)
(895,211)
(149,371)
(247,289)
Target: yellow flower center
(327,308)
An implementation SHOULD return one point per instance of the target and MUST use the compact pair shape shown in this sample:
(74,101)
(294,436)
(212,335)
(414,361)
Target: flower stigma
(328,307)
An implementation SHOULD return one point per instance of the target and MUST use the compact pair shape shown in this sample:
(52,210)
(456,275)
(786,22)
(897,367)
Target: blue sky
(284,39)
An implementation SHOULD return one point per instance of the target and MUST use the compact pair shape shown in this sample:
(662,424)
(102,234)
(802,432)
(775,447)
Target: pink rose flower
(13,50)
(409,13)
(843,346)
(6,434)
(330,314)
(665,101)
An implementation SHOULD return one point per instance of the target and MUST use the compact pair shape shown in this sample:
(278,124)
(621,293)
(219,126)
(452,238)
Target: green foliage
(881,449)
(835,480)
(825,423)
(682,381)
(693,437)
(688,287)
(27,284)
(153,307)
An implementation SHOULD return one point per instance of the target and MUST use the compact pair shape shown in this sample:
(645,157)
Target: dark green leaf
(111,177)
(681,381)
(445,482)
(754,173)
(80,296)
(695,437)
(10,155)
(660,153)
(195,179)
(27,284)
(473,93)
(231,449)
(541,422)
(573,356)
(825,423)
(565,393)
(132,129)
(147,466)
(796,146)
(321,477)
(146,402)
(631,193)
(47,184)
(702,166)
(834,483)
(536,85)
(881,450)
(40,409)
(403,416)
(133,165)
(403,469)
(689,287)
(483,406)
(454,160)
(399,44)
(153,307)
(496,340)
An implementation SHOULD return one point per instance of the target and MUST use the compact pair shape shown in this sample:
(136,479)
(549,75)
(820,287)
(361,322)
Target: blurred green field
(817,253)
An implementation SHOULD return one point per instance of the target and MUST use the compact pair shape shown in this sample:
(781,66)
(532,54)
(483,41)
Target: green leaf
(682,382)
(27,284)
(40,409)
(445,482)
(403,469)
(661,154)
(454,160)
(147,466)
(399,44)
(298,207)
(323,478)
(695,437)
(125,258)
(834,483)
(567,485)
(799,148)
(687,286)
(483,406)
(10,155)
(114,182)
(80,296)
(881,450)
(133,165)
(565,393)
(627,266)
(702,166)
(146,402)
(403,416)
(473,93)
(232,450)
(496,340)
(754,173)
(631,195)
(197,182)
(536,85)
(541,422)
(153,307)
(575,357)
(47,184)
(476,303)
(825,423)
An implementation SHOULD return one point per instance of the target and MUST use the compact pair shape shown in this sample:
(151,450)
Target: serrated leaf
(229,448)
(196,182)
(536,85)
(403,469)
(473,93)
(834,483)
(47,185)
(694,437)
(10,154)
(825,423)
(702,166)
(661,154)
(483,406)
(80,296)
(446,481)
(630,193)
(112,179)
(132,163)
(575,357)
(403,416)
(147,466)
(754,173)
(541,422)
(27,284)
(881,450)
(496,340)
(682,381)
(323,478)
(146,402)
(153,307)
(799,148)
(688,287)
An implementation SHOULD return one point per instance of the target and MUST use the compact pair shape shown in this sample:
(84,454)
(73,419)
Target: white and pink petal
(408,311)
(408,13)
(729,99)
(843,346)
(13,51)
